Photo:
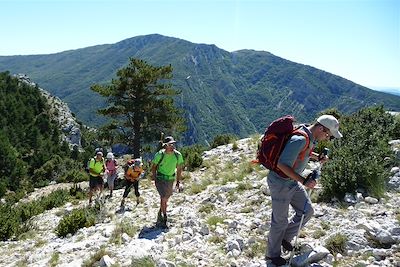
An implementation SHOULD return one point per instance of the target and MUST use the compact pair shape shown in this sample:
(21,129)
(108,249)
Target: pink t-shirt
(111,166)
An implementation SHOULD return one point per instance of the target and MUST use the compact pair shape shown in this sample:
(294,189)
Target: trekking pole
(314,175)
(160,145)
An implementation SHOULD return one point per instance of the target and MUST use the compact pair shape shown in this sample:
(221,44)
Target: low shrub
(77,219)
(95,257)
(223,139)
(13,218)
(192,156)
(359,159)
(214,220)
(146,261)
(336,244)
(125,226)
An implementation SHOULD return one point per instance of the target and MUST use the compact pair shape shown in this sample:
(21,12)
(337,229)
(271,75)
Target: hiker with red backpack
(286,150)
(133,172)
(167,167)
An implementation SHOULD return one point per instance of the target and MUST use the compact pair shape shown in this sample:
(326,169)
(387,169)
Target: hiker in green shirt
(167,167)
(96,172)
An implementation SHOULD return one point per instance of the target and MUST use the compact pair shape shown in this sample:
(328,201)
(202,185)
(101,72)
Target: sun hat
(138,162)
(169,140)
(331,123)
(110,155)
(99,151)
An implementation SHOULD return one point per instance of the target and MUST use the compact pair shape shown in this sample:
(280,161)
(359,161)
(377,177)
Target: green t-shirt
(96,166)
(168,165)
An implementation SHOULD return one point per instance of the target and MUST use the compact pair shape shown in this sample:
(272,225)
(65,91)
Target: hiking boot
(160,219)
(164,222)
(287,245)
(122,203)
(278,261)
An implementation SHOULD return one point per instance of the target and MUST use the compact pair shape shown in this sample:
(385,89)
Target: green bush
(214,220)
(359,159)
(192,156)
(74,221)
(336,244)
(95,257)
(9,222)
(125,226)
(223,139)
(60,170)
(75,175)
(13,218)
(145,261)
(54,199)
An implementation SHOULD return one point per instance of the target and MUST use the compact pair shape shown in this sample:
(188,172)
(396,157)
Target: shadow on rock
(151,232)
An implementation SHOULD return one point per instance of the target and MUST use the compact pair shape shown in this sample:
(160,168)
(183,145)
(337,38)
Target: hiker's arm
(153,172)
(295,176)
(178,173)
(314,156)
(319,157)
(290,172)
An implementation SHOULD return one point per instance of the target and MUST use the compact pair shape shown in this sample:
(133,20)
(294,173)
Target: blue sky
(355,39)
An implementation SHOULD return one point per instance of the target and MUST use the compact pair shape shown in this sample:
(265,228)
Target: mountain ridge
(228,92)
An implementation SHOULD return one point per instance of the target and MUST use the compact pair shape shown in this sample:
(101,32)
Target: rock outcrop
(71,132)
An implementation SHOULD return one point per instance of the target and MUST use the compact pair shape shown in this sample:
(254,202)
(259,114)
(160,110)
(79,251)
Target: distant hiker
(111,172)
(167,167)
(133,171)
(289,191)
(96,172)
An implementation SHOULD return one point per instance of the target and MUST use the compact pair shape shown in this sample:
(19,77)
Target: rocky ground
(220,219)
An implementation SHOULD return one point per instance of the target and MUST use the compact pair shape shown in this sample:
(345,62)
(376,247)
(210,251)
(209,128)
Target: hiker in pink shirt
(111,172)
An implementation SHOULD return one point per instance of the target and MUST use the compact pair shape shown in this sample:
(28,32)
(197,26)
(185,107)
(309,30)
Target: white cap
(110,155)
(331,123)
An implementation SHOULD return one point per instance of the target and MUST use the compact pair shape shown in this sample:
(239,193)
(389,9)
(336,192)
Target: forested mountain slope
(222,92)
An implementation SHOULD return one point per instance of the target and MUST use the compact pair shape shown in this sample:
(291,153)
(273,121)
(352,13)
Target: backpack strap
(302,153)
(163,154)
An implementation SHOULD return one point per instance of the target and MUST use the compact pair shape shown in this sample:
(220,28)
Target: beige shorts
(164,187)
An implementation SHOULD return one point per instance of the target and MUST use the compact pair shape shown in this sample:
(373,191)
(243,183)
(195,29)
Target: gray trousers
(283,194)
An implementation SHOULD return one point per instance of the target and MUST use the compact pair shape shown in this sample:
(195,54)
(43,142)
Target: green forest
(31,150)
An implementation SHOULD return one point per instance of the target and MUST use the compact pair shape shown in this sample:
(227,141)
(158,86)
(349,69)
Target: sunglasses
(328,132)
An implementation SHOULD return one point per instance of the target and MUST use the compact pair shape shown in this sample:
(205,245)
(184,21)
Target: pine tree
(141,104)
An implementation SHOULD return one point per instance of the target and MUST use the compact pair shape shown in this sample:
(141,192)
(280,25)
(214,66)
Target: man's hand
(323,158)
(309,182)
(178,186)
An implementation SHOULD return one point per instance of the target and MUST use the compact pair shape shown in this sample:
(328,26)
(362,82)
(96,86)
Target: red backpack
(274,140)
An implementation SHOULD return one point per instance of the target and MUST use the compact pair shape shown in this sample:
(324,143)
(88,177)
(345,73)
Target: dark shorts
(164,187)
(95,182)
